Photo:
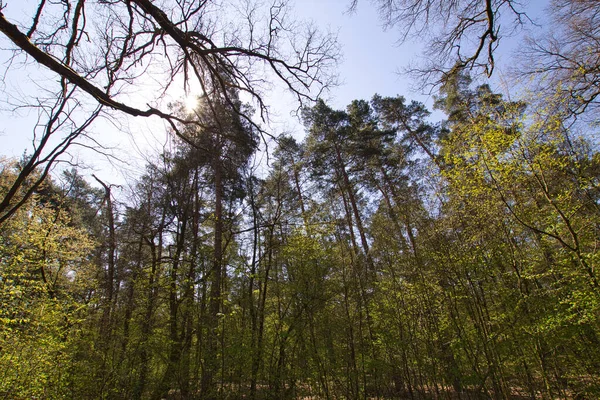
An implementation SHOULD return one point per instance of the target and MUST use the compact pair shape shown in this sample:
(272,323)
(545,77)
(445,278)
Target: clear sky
(371,62)
(372,57)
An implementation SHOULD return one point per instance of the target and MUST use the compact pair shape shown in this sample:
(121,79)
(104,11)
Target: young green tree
(47,283)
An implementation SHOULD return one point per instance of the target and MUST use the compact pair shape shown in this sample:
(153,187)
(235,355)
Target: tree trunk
(211,359)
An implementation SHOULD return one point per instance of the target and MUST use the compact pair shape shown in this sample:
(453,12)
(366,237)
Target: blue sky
(372,57)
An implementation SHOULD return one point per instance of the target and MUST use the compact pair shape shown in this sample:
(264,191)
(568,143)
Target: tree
(564,63)
(524,217)
(459,33)
(47,281)
(333,149)
(106,50)
(215,153)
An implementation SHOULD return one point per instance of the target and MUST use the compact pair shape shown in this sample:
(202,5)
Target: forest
(383,255)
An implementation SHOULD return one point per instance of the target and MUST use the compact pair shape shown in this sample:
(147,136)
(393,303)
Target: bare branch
(461,33)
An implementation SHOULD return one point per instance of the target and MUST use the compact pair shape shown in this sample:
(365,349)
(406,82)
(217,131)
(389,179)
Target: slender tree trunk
(110,261)
(189,291)
(130,302)
(175,344)
(211,360)
(296,175)
(251,307)
(147,323)
(261,308)
(349,189)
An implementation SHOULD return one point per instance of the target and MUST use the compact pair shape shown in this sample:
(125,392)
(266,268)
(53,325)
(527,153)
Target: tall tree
(218,149)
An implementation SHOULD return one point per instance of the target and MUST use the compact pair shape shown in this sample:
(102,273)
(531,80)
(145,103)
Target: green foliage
(46,278)
(383,257)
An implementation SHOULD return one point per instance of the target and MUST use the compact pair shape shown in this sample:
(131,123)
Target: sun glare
(191,102)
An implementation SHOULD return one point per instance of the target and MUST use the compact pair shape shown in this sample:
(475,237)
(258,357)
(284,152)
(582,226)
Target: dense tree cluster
(381,256)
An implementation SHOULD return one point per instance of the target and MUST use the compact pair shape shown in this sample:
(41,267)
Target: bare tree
(108,49)
(57,129)
(459,34)
(565,62)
